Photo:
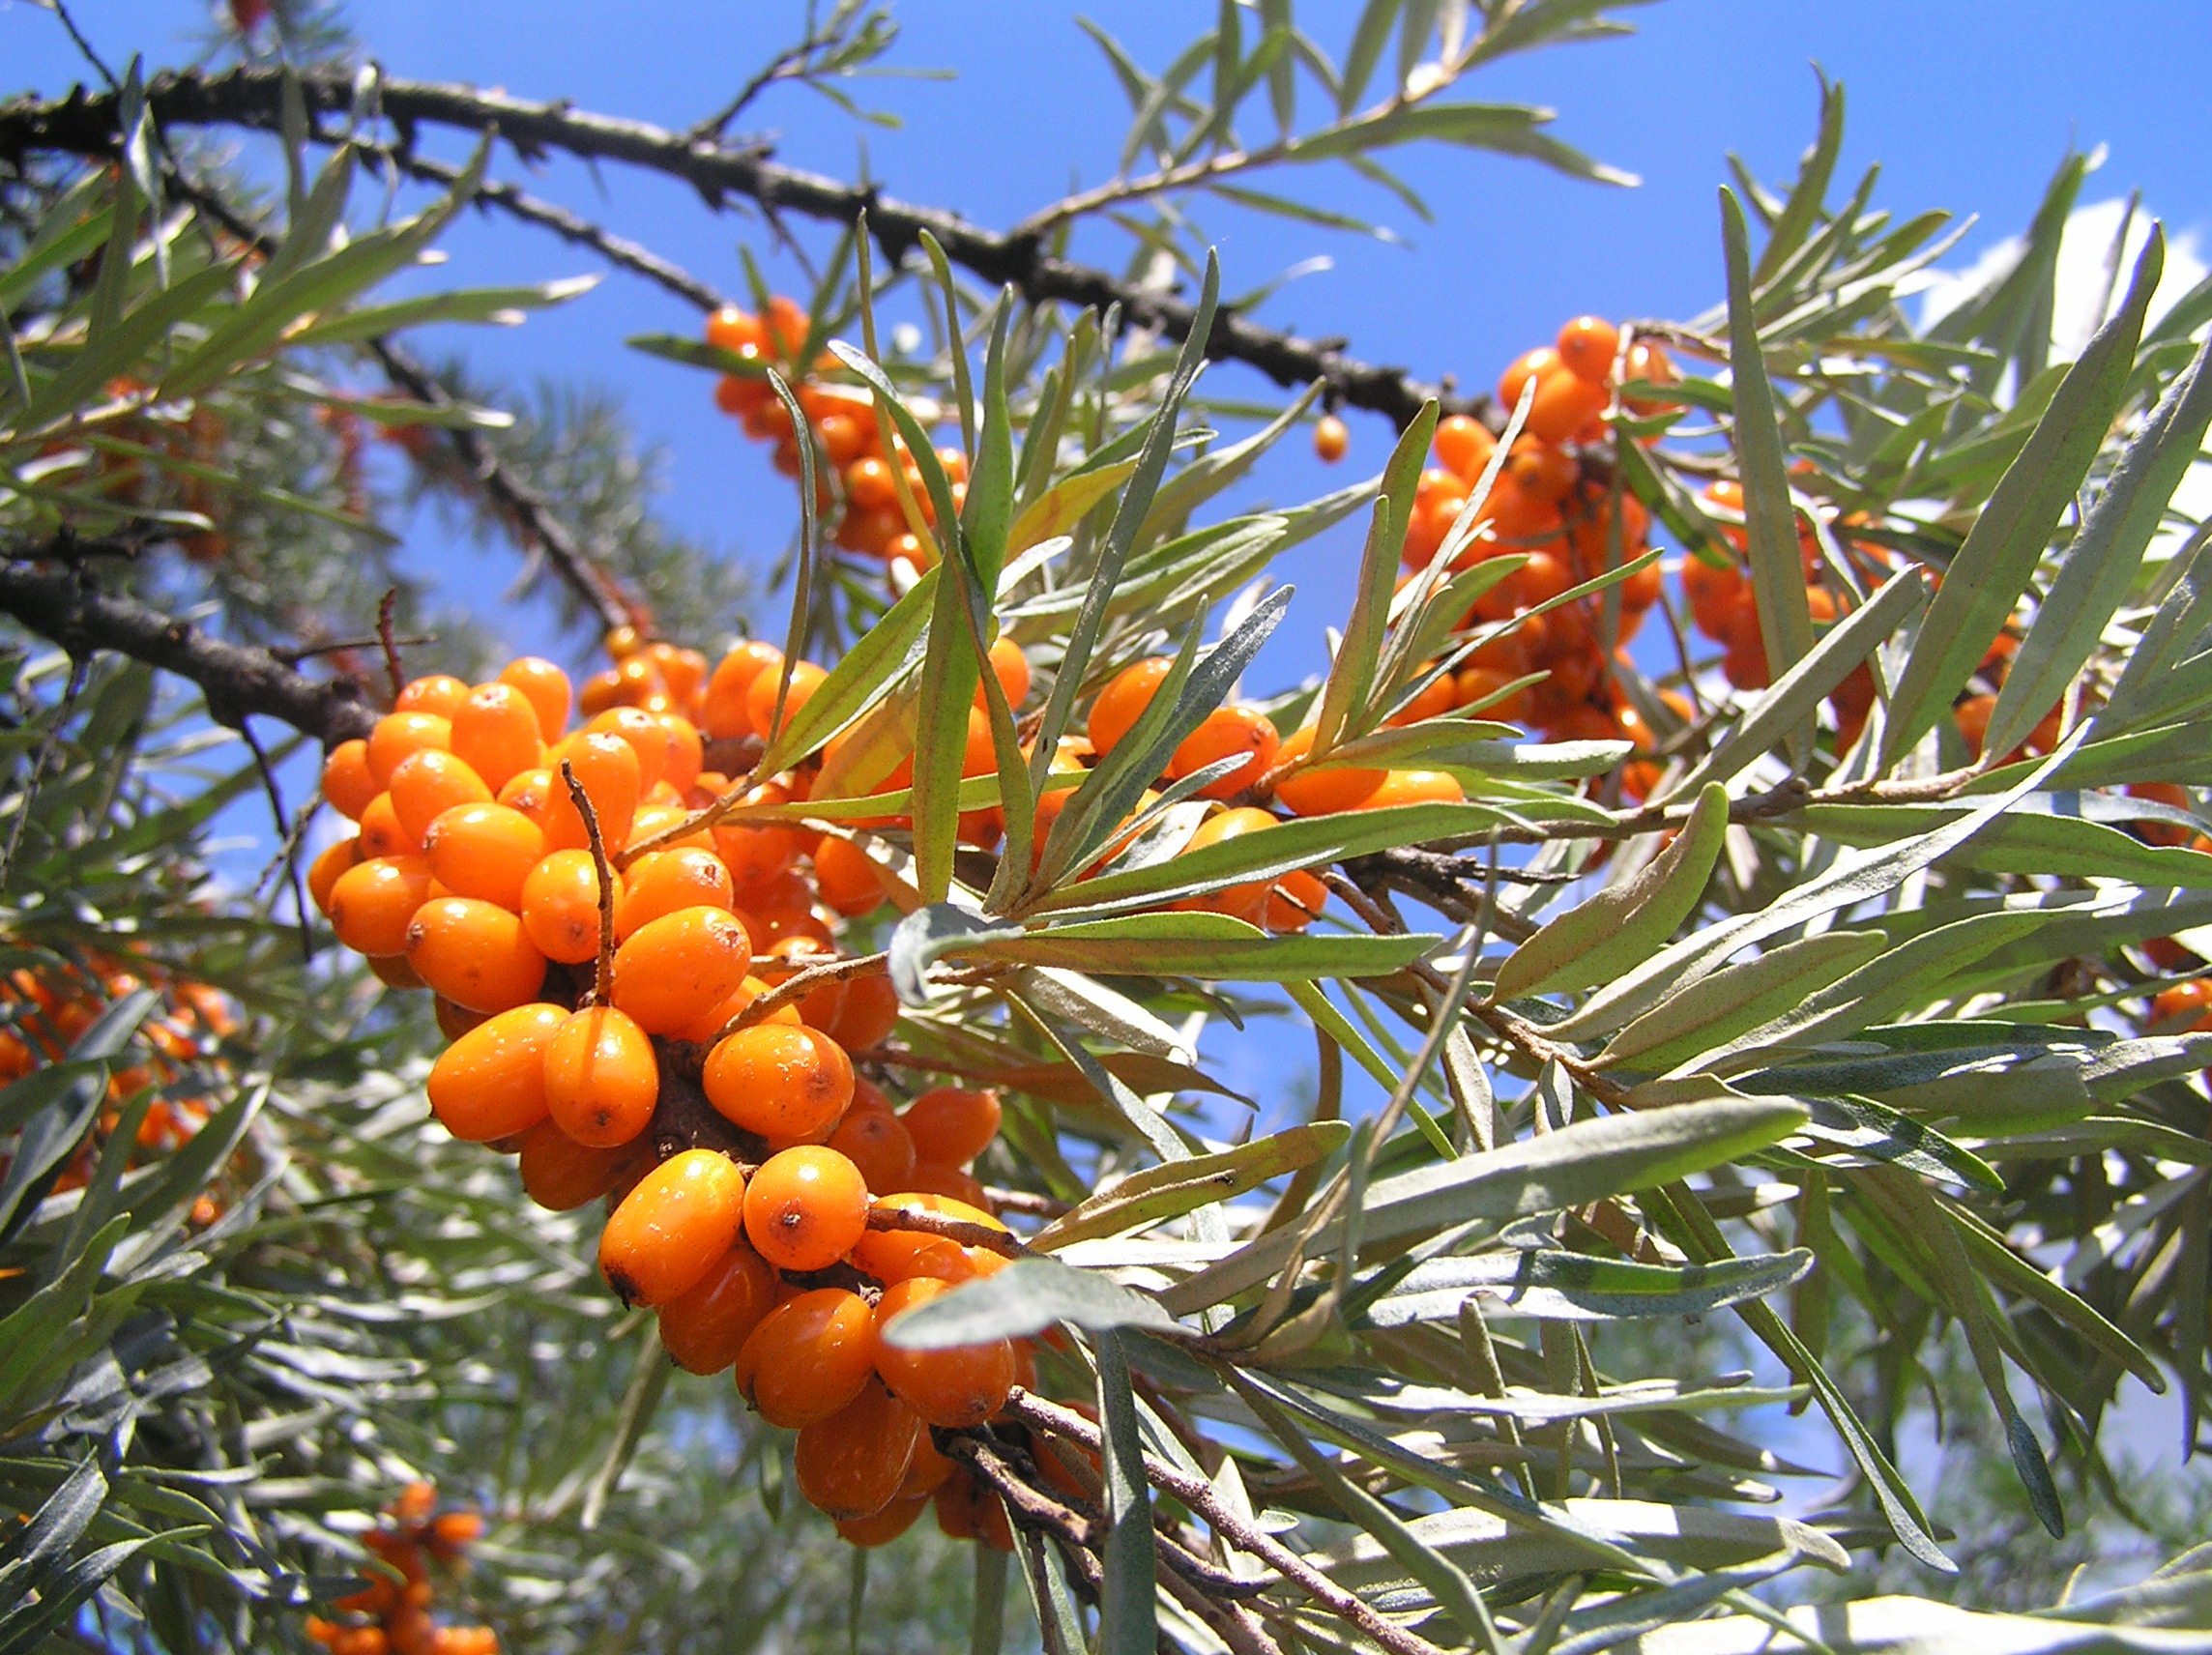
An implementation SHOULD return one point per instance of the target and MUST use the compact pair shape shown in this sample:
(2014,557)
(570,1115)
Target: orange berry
(323,873)
(559,1173)
(491,1083)
(546,686)
(646,736)
(607,767)
(805,1208)
(1331,440)
(956,1388)
(400,733)
(382,835)
(731,328)
(1228,732)
(1541,470)
(1563,401)
(852,1465)
(561,905)
(1530,365)
(1321,791)
(347,782)
(687,752)
(1414,787)
(1011,668)
(665,881)
(528,791)
(428,784)
(495,730)
(484,850)
(708,1028)
(672,970)
(870,1012)
(474,953)
(967,1510)
(877,1143)
(1464,447)
(779,1081)
(1124,700)
(760,699)
(673,1227)
(886,1525)
(1972,716)
(372,901)
(1586,347)
(1647,362)
(2183,1000)
(954,1125)
(728,688)
(601,1078)
(707,1324)
(845,876)
(811,1355)
(438,692)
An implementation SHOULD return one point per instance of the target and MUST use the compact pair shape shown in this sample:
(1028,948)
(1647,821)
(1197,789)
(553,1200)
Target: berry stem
(800,984)
(604,968)
(959,1230)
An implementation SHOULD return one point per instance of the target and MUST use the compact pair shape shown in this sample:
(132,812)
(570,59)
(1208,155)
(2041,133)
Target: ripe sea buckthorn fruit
(673,1227)
(601,1078)
(672,970)
(491,1083)
(706,1325)
(852,1465)
(1124,700)
(559,1173)
(485,851)
(561,905)
(809,1357)
(957,1387)
(779,1081)
(951,1124)
(805,1208)
(474,953)
(372,903)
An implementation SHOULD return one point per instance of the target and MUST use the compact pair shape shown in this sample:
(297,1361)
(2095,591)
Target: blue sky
(1967,103)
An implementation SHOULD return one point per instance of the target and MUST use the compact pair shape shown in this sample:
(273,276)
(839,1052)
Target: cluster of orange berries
(44,1011)
(749,1171)
(391,1616)
(857,479)
(1550,505)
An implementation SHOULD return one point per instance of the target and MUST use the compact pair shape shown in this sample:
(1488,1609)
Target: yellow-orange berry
(646,736)
(548,688)
(397,735)
(805,1208)
(1321,791)
(729,688)
(886,1525)
(951,1124)
(707,1324)
(852,1465)
(474,953)
(561,1175)
(674,970)
(868,1015)
(607,767)
(601,1078)
(1124,700)
(877,1143)
(382,835)
(561,905)
(779,1081)
(495,729)
(372,903)
(664,882)
(438,692)
(846,877)
(1332,439)
(427,785)
(1228,732)
(348,785)
(894,1255)
(959,1388)
(672,1228)
(810,1356)
(1586,347)
(484,850)
(323,873)
(491,1083)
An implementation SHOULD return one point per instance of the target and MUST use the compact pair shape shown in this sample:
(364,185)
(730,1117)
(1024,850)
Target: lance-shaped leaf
(1770,522)
(1581,1162)
(2001,551)
(1030,1296)
(1713,1009)
(873,662)
(2146,682)
(1346,699)
(1211,946)
(2101,565)
(927,934)
(1578,1286)
(464,305)
(1128,1618)
(1066,504)
(1622,923)
(1156,1193)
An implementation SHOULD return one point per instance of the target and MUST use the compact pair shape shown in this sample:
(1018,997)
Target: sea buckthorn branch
(883,1216)
(596,993)
(800,984)
(85,124)
(236,681)
(1199,1496)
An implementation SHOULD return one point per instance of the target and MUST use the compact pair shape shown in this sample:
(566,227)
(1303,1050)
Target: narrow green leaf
(1592,940)
(2007,541)
(1029,1297)
(1802,210)
(1209,947)
(1770,522)
(1127,1623)
(1159,1193)
(1710,1010)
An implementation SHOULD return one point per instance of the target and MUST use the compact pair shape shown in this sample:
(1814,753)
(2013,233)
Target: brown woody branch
(85,123)
(237,681)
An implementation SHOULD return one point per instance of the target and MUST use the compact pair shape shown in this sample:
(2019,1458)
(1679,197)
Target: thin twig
(798,985)
(602,971)
(1201,1496)
(388,643)
(882,1216)
(287,835)
(85,124)
(52,739)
